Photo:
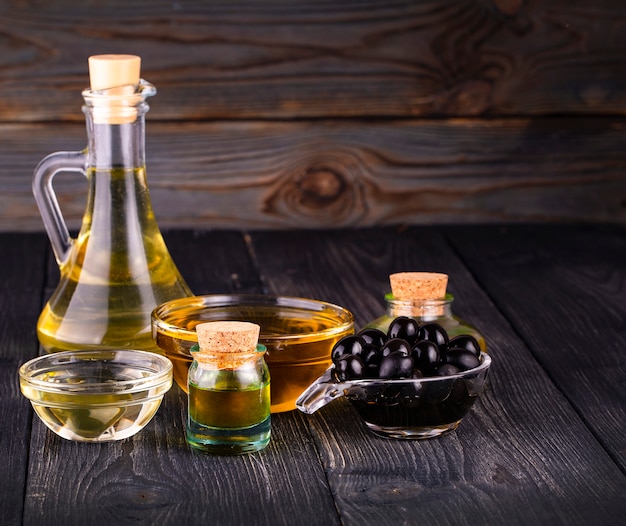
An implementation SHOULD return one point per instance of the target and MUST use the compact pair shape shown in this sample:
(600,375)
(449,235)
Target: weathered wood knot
(470,98)
(320,192)
(320,186)
(509,7)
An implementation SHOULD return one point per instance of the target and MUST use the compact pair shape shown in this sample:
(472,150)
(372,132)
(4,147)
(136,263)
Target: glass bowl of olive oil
(297,332)
(96,395)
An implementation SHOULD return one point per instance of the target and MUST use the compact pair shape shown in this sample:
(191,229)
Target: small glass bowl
(414,408)
(96,396)
(299,334)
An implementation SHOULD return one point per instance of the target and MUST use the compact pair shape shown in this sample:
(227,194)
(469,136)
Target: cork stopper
(113,82)
(114,71)
(412,286)
(226,344)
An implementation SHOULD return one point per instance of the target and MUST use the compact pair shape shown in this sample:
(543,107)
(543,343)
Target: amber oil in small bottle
(229,390)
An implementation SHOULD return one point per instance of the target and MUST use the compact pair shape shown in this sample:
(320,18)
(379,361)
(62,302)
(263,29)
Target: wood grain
(587,312)
(330,174)
(153,477)
(512,446)
(20,290)
(535,448)
(282,60)
(274,114)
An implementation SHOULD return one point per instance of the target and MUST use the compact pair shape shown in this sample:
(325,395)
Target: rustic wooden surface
(543,445)
(300,114)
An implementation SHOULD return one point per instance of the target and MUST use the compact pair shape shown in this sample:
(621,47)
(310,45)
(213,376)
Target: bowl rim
(482,368)
(252,300)
(30,371)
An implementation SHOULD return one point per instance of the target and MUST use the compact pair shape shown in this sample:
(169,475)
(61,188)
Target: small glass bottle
(229,390)
(422,296)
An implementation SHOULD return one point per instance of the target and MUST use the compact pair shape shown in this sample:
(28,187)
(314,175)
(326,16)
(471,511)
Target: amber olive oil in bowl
(298,333)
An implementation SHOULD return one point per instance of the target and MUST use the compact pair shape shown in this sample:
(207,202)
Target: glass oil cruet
(423,296)
(118,268)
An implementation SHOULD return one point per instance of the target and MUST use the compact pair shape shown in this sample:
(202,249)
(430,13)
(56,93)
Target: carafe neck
(116,126)
(115,145)
(118,201)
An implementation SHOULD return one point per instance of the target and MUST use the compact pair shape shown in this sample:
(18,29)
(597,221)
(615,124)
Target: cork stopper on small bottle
(226,344)
(117,76)
(412,286)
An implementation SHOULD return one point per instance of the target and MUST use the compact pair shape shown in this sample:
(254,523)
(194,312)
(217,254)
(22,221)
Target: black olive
(426,356)
(371,358)
(349,367)
(461,358)
(396,344)
(405,328)
(447,369)
(373,336)
(405,367)
(352,344)
(417,373)
(371,370)
(396,365)
(465,341)
(371,355)
(433,332)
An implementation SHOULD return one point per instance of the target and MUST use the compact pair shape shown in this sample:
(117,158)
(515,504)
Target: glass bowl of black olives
(412,382)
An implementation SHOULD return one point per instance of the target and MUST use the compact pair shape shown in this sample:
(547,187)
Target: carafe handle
(47,202)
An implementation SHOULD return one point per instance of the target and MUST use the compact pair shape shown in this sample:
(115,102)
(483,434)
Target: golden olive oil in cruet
(118,268)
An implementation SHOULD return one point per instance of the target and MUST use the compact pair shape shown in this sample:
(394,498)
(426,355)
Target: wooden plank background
(303,114)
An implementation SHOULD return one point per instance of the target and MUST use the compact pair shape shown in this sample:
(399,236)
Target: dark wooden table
(546,443)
